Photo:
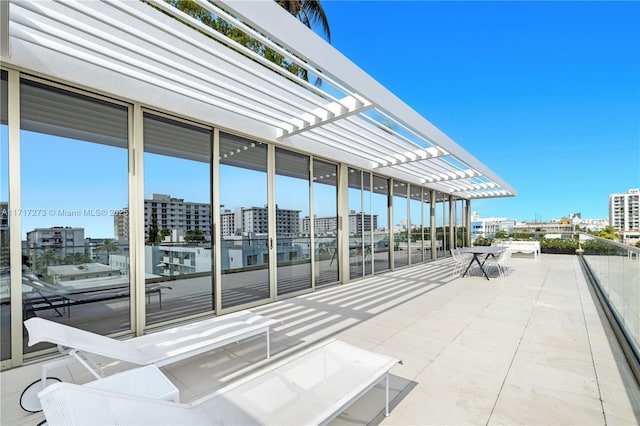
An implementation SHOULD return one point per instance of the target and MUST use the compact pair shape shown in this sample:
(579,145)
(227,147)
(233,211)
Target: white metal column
(390,228)
(15,220)
(468,222)
(312,227)
(271,205)
(343,223)
(136,220)
(452,221)
(216,236)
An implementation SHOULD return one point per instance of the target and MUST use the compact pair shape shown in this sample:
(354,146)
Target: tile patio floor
(533,348)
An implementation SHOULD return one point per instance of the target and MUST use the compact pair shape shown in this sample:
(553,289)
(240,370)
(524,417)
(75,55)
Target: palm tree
(47,257)
(309,12)
(75,259)
(609,232)
(108,246)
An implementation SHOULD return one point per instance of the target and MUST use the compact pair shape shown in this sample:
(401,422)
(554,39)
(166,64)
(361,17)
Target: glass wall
(293,247)
(325,221)
(416,237)
(380,223)
(5,217)
(244,224)
(400,225)
(177,218)
(74,184)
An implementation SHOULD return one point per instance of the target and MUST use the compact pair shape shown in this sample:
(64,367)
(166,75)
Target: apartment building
(64,238)
(176,214)
(254,220)
(624,214)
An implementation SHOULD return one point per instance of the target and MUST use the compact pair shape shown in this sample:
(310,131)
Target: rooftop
(533,348)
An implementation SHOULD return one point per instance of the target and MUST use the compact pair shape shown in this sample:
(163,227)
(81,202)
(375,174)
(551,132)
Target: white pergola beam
(329,113)
(410,157)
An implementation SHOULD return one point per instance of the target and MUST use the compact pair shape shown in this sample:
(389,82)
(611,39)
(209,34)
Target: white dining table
(480,251)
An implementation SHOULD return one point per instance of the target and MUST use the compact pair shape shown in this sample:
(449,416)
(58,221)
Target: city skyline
(73,218)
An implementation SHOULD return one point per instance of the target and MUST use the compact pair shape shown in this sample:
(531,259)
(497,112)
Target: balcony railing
(614,269)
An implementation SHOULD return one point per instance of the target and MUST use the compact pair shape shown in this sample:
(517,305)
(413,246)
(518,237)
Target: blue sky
(546,94)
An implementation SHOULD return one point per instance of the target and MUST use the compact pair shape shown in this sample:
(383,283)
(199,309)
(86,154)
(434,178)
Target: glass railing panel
(616,270)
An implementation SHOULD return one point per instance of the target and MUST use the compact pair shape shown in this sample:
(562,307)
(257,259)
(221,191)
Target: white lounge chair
(310,388)
(161,348)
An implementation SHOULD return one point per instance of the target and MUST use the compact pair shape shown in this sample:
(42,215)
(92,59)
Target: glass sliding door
(325,221)
(416,249)
(368,224)
(400,225)
(293,246)
(361,224)
(356,221)
(442,218)
(177,218)
(380,223)
(5,218)
(447,225)
(74,183)
(426,223)
(244,224)
(461,226)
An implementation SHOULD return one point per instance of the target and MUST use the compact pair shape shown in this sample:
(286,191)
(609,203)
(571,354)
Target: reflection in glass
(325,218)
(359,224)
(442,219)
(369,224)
(400,225)
(460,228)
(379,210)
(293,247)
(416,237)
(426,223)
(74,173)
(177,218)
(244,225)
(5,217)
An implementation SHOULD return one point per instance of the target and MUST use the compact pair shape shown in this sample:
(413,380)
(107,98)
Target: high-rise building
(121,224)
(359,223)
(255,220)
(624,213)
(175,214)
(323,225)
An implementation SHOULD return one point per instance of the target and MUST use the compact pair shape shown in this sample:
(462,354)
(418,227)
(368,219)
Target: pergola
(153,54)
